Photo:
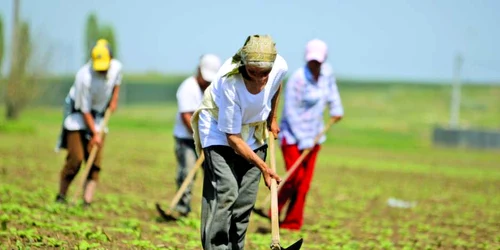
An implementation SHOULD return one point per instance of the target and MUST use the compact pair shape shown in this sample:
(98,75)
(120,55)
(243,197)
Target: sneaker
(61,199)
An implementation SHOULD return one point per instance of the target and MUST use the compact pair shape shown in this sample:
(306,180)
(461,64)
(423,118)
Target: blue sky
(399,39)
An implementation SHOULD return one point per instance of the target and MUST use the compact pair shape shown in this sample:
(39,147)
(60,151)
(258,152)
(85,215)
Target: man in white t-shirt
(95,89)
(230,127)
(189,96)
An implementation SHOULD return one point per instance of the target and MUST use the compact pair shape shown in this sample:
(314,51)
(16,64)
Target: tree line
(28,65)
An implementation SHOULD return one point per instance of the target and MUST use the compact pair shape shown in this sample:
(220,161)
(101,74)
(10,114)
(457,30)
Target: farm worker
(231,127)
(189,96)
(96,88)
(308,91)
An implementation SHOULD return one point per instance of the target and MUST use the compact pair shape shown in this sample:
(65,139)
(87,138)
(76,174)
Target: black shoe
(61,199)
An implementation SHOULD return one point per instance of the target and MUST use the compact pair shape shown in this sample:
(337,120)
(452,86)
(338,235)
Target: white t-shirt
(237,106)
(189,96)
(91,91)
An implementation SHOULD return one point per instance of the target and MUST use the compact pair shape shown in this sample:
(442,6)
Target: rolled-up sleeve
(334,100)
(186,100)
(118,74)
(118,79)
(230,117)
(83,98)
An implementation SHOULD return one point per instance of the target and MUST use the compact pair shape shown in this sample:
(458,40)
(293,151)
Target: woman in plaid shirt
(308,91)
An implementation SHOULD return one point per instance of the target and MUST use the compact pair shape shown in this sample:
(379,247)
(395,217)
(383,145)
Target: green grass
(381,149)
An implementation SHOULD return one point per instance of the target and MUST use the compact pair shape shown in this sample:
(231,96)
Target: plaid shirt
(305,101)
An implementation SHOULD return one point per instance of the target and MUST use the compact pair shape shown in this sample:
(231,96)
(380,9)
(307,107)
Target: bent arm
(274,105)
(335,102)
(83,102)
(114,95)
(89,121)
(186,120)
(241,147)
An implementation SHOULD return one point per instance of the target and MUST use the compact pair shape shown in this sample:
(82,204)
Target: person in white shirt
(189,96)
(309,90)
(96,88)
(230,127)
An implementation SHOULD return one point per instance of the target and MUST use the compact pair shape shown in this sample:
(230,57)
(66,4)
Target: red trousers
(296,187)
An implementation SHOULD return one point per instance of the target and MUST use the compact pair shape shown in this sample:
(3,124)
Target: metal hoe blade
(189,178)
(166,216)
(295,246)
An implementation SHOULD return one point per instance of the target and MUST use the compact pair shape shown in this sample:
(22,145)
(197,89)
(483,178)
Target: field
(381,150)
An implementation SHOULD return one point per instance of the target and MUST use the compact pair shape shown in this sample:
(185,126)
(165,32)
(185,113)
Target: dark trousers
(78,150)
(186,158)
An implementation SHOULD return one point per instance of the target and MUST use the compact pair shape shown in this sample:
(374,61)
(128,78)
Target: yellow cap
(101,58)
(102,42)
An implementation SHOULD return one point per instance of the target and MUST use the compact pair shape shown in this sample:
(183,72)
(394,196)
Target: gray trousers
(229,192)
(186,158)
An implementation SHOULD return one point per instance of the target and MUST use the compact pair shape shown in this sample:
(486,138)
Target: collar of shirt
(309,76)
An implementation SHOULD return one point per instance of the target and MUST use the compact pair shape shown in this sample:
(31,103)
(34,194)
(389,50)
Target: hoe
(167,215)
(262,211)
(275,230)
